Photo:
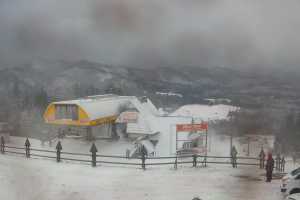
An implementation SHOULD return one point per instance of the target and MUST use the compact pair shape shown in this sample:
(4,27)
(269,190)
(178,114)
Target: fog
(240,34)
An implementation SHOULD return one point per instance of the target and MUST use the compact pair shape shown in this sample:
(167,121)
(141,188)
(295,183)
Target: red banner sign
(192,127)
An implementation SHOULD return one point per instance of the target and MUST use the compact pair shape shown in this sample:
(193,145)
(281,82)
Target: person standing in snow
(262,158)
(269,168)
(127,153)
(233,156)
(144,150)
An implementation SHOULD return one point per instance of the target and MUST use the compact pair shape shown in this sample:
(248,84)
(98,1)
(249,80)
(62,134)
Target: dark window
(187,145)
(65,111)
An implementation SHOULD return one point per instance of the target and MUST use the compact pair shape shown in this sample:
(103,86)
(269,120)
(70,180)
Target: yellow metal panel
(104,120)
(82,115)
(69,122)
(49,114)
(83,118)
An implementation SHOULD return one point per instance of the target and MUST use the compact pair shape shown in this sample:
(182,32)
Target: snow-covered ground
(43,179)
(205,112)
(35,179)
(218,145)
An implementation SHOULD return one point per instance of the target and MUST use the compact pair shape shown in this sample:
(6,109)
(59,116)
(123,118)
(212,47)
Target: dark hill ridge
(64,80)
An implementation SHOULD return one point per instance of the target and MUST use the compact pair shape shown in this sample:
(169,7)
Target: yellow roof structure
(89,111)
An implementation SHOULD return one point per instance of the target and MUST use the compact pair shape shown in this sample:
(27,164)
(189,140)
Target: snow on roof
(100,106)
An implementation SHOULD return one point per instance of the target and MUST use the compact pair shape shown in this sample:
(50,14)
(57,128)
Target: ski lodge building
(89,111)
(109,116)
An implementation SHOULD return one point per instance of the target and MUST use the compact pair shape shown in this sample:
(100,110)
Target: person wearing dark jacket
(234,156)
(269,167)
(262,158)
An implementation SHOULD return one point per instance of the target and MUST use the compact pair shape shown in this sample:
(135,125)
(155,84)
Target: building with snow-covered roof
(136,120)
(95,111)
(88,111)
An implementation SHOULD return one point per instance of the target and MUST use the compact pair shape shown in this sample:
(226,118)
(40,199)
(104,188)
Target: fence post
(277,162)
(2,145)
(143,161)
(194,160)
(27,148)
(143,151)
(94,150)
(58,151)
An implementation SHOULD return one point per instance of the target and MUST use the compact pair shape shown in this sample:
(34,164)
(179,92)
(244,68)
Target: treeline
(284,125)
(288,137)
(20,102)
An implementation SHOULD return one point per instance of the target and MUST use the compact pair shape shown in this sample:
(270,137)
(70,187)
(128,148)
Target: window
(65,111)
(187,145)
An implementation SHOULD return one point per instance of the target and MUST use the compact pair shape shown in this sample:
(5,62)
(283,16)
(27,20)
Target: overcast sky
(230,33)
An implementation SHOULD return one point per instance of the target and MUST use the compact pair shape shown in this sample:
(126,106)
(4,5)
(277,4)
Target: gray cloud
(229,33)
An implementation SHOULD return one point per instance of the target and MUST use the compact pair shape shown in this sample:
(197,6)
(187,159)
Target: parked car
(290,183)
(295,196)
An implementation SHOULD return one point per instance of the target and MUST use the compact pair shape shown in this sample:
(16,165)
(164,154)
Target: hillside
(26,90)
(64,80)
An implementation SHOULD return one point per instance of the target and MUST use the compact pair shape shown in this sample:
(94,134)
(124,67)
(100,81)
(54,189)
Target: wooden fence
(143,161)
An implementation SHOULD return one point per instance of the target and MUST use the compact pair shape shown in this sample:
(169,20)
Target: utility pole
(231,132)
(230,147)
(248,150)
(230,142)
(209,143)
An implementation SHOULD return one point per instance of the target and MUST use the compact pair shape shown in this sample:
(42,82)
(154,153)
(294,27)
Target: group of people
(269,163)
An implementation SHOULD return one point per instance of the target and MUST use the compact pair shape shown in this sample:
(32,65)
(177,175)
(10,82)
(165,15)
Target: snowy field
(43,179)
(36,179)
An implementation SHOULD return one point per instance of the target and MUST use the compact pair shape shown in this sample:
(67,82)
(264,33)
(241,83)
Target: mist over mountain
(268,99)
(51,50)
(252,35)
(65,80)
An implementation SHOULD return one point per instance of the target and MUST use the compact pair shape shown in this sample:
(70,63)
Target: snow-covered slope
(205,112)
